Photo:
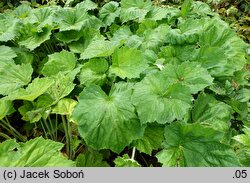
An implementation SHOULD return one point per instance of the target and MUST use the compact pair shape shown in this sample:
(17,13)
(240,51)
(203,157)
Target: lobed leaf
(32,91)
(109,12)
(32,37)
(6,55)
(165,100)
(189,74)
(114,124)
(6,108)
(71,19)
(37,152)
(94,72)
(125,161)
(194,145)
(128,63)
(8,28)
(63,61)
(14,76)
(152,139)
(64,107)
(90,159)
(99,48)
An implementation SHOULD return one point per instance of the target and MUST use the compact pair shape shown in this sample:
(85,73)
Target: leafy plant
(37,152)
(124,84)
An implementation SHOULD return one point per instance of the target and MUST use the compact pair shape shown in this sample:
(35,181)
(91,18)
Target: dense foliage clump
(123,84)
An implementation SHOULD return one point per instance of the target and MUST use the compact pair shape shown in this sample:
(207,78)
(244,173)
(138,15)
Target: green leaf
(71,19)
(126,161)
(32,36)
(152,139)
(241,77)
(157,13)
(99,48)
(244,138)
(134,41)
(86,5)
(133,9)
(44,101)
(243,152)
(22,11)
(145,25)
(91,159)
(63,61)
(13,77)
(122,34)
(37,152)
(150,56)
(33,112)
(218,88)
(185,8)
(88,35)
(244,157)
(142,4)
(24,56)
(69,36)
(8,28)
(128,63)
(187,32)
(194,145)
(94,72)
(42,17)
(177,54)
(222,52)
(189,74)
(243,95)
(7,155)
(114,124)
(6,55)
(64,107)
(32,91)
(207,110)
(6,108)
(154,38)
(94,23)
(63,85)
(133,13)
(241,108)
(165,101)
(109,12)
(202,9)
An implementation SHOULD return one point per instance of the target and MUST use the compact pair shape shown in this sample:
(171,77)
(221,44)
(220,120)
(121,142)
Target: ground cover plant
(126,83)
(235,12)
